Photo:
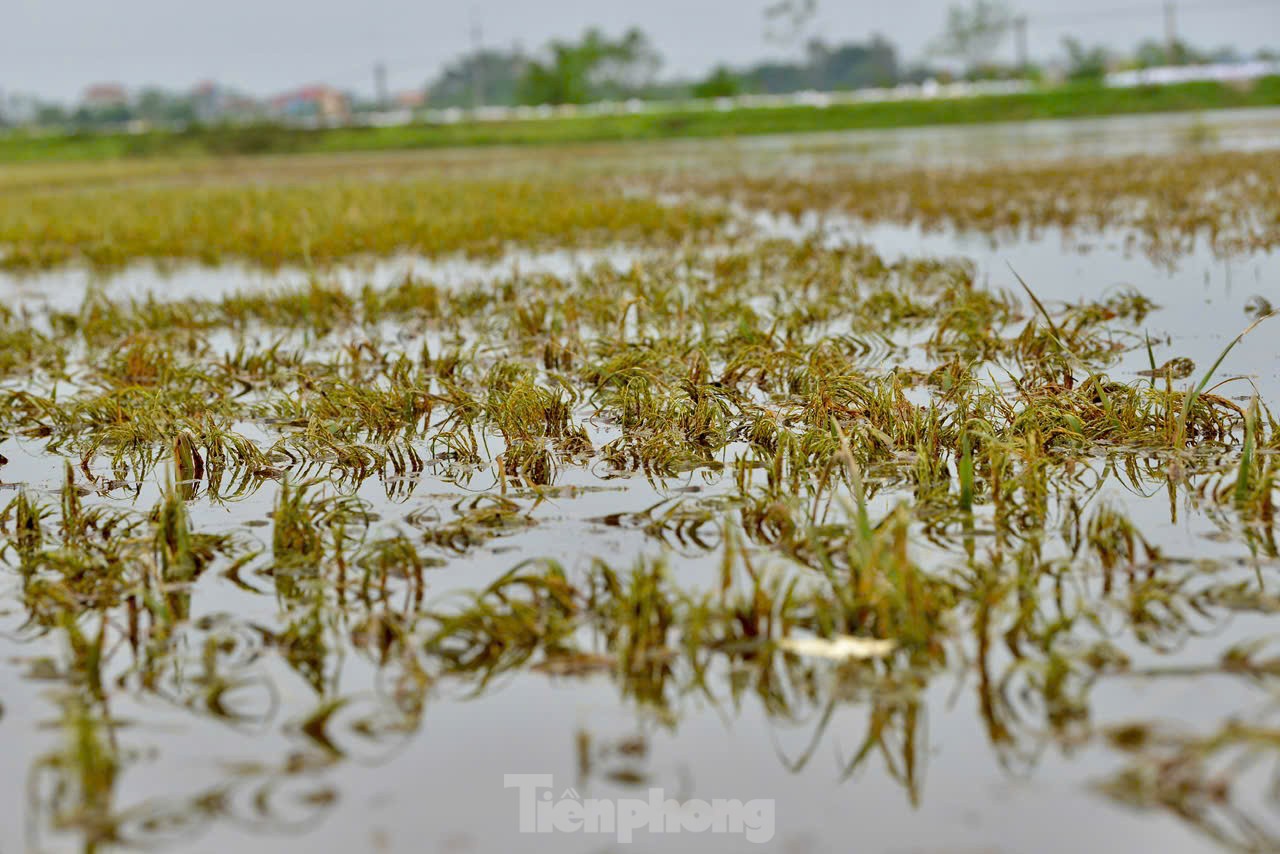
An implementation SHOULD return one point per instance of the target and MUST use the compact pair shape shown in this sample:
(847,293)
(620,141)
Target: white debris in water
(839,648)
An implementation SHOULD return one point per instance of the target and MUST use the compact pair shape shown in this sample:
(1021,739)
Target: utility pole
(1020,41)
(477,62)
(1171,32)
(380,85)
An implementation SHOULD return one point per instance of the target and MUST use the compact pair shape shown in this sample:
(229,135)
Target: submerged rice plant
(789,481)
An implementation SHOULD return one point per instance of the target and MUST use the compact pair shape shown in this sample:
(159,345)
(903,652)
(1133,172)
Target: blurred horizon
(58,48)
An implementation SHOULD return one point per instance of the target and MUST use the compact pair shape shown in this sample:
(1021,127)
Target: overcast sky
(56,47)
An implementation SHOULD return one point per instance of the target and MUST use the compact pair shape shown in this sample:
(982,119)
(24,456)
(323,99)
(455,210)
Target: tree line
(595,66)
(973,44)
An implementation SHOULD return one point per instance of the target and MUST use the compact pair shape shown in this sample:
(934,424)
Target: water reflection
(232,625)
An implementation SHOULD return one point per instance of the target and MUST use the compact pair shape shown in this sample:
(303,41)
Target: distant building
(414,99)
(321,105)
(17,109)
(102,96)
(208,102)
(214,103)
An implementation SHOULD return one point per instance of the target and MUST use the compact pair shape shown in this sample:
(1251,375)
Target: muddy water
(1162,133)
(249,779)
(436,783)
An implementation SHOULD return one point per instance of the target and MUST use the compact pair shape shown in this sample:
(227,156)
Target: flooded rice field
(784,510)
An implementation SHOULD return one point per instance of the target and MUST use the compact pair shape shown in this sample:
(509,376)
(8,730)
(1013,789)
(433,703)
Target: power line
(380,85)
(1148,10)
(1167,11)
(477,57)
(1020,41)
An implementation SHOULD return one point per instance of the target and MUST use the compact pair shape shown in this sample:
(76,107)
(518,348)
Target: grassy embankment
(1069,102)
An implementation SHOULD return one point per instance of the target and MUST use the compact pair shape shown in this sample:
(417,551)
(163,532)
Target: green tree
(1151,54)
(720,83)
(49,114)
(491,77)
(973,33)
(853,65)
(595,67)
(787,20)
(1085,64)
(157,105)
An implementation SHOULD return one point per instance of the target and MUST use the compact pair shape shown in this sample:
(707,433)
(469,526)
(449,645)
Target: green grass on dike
(1065,102)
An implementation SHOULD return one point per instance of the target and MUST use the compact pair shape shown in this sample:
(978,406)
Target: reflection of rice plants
(780,474)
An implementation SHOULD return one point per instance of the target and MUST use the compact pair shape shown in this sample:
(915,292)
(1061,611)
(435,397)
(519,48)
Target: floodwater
(1116,136)
(433,780)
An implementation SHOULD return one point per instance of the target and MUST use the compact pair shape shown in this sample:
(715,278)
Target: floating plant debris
(794,483)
